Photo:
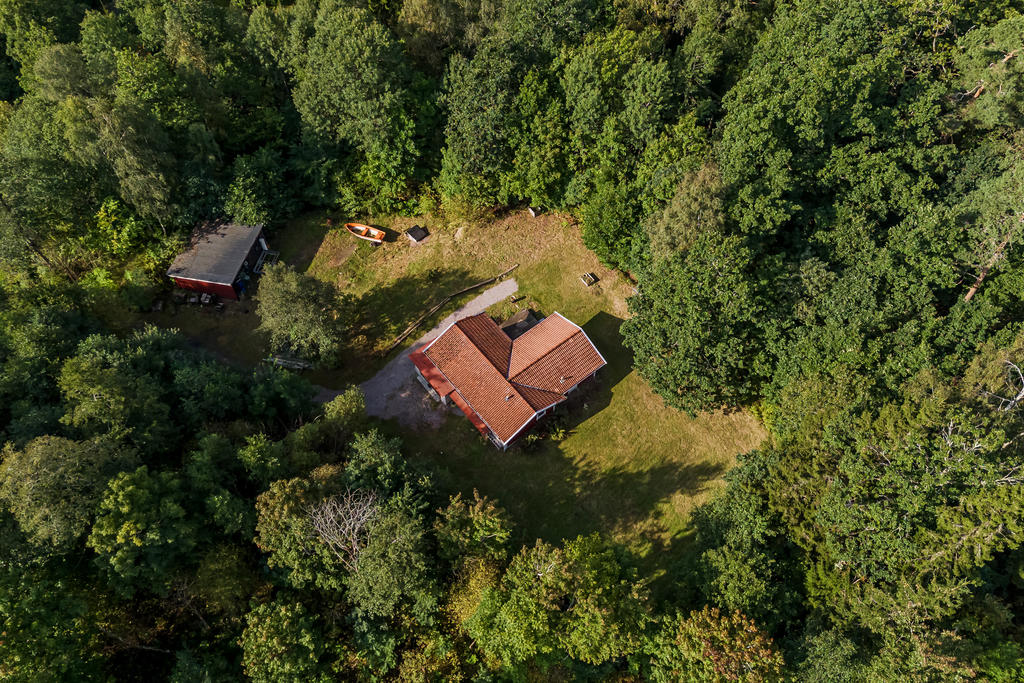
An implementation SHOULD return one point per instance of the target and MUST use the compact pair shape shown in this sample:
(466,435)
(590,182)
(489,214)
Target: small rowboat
(365,232)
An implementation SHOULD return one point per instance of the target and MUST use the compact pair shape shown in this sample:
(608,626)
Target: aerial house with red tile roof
(503,385)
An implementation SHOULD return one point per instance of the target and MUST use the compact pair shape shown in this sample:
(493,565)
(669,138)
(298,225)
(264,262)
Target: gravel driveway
(394,392)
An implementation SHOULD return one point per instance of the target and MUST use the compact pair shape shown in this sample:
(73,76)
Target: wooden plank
(289,363)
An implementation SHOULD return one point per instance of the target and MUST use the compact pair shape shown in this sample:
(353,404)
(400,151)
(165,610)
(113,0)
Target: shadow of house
(594,396)
(518,324)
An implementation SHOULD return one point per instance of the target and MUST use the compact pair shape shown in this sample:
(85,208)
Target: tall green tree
(49,608)
(52,486)
(696,327)
(579,600)
(283,641)
(143,530)
(392,572)
(301,314)
(285,527)
(352,87)
(712,646)
(478,99)
(477,529)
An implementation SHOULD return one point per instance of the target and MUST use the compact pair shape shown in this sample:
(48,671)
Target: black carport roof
(215,253)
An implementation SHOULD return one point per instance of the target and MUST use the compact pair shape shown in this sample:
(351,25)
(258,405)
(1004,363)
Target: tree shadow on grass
(552,496)
(584,500)
(384,312)
(593,396)
(621,502)
(300,242)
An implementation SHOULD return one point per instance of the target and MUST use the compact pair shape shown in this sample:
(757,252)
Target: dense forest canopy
(821,204)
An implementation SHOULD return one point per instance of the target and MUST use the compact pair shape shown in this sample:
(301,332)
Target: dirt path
(394,392)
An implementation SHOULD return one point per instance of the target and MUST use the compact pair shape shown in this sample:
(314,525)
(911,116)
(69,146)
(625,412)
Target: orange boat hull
(365,232)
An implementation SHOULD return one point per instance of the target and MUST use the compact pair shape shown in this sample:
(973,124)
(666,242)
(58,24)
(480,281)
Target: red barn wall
(223,291)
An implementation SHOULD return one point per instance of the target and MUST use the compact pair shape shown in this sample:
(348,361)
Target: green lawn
(629,467)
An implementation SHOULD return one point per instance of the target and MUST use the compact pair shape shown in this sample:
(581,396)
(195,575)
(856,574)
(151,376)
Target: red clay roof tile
(563,367)
(430,372)
(469,413)
(538,341)
(539,399)
(486,390)
(477,359)
(489,339)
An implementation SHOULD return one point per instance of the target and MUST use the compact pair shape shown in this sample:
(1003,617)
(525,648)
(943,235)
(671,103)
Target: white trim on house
(205,282)
(456,390)
(430,389)
(424,349)
(476,412)
(513,437)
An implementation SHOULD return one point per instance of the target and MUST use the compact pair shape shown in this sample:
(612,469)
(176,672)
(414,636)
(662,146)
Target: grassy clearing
(629,467)
(231,333)
(395,283)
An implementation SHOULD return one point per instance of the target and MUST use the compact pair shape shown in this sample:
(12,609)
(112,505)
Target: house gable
(507,384)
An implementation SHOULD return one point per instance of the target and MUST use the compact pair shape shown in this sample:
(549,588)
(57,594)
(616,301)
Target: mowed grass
(629,467)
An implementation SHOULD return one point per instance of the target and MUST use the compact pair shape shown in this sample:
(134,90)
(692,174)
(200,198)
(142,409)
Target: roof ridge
(484,355)
(553,349)
(479,348)
(530,386)
(526,338)
(463,396)
(548,397)
(481,352)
